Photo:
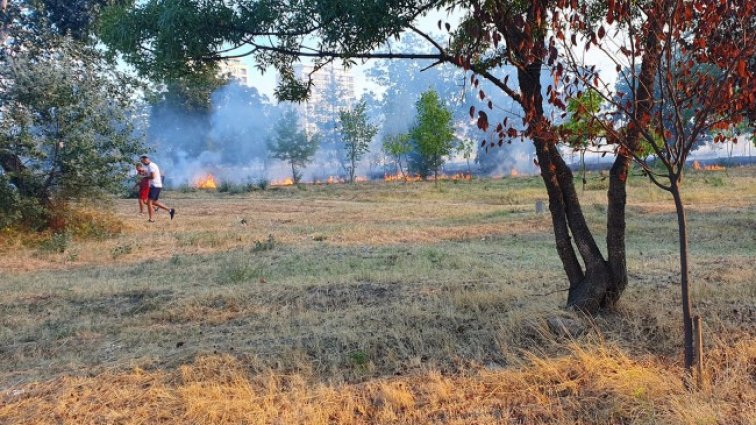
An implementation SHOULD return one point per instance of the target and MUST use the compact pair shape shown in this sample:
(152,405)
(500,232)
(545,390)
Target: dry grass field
(375,303)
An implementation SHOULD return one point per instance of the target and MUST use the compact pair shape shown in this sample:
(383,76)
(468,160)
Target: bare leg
(150,210)
(141,206)
(160,205)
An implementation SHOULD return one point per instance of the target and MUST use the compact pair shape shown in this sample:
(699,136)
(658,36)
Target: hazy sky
(266,82)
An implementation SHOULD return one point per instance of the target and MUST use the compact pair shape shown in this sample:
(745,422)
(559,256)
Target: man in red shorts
(156,184)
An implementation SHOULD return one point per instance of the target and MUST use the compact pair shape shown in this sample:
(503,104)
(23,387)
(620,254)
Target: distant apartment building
(235,69)
(332,91)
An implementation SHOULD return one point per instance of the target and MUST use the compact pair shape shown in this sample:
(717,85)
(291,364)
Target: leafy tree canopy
(169,38)
(357,134)
(69,126)
(433,132)
(291,144)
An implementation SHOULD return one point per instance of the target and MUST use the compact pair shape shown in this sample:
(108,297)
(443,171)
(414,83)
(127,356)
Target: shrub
(56,243)
(266,245)
(42,158)
(120,251)
(263,184)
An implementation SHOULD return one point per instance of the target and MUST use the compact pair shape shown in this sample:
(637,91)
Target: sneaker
(172,212)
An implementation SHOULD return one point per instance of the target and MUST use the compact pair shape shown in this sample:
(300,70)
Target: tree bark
(564,246)
(615,228)
(617,193)
(587,287)
(590,293)
(684,282)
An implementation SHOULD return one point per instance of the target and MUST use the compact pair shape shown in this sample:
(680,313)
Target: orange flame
(514,173)
(285,182)
(205,182)
(329,180)
(398,177)
(458,176)
(698,167)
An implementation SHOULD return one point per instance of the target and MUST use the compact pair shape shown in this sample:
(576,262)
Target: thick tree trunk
(615,228)
(587,286)
(684,282)
(617,193)
(590,293)
(584,240)
(564,246)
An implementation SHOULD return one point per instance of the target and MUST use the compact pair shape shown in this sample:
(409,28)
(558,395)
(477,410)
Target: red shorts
(143,193)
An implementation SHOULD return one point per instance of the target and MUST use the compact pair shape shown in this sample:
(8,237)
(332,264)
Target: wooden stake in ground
(699,352)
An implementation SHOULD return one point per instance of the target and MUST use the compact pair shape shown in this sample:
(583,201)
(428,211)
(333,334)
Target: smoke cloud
(229,139)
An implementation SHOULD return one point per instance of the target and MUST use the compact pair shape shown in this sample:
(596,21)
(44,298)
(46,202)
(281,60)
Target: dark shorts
(154,193)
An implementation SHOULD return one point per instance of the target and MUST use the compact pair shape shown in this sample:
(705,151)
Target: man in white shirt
(156,184)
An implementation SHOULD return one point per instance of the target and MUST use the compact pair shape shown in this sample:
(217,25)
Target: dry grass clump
(592,384)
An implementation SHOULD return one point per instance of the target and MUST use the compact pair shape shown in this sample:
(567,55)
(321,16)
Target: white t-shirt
(153,170)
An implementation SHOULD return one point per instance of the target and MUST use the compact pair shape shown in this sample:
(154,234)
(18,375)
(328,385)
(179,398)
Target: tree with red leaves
(696,77)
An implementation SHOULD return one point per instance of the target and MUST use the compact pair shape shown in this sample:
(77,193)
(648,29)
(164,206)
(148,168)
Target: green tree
(357,134)
(467,148)
(68,129)
(398,146)
(291,144)
(433,133)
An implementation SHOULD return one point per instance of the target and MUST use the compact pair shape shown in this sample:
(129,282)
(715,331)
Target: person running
(143,186)
(156,184)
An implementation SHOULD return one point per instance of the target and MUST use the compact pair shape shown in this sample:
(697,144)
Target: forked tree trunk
(589,281)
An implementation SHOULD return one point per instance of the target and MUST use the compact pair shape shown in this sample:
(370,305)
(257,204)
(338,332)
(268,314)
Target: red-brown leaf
(482,120)
(742,71)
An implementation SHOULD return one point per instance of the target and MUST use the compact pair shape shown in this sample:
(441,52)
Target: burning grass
(375,303)
(711,167)
(206,182)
